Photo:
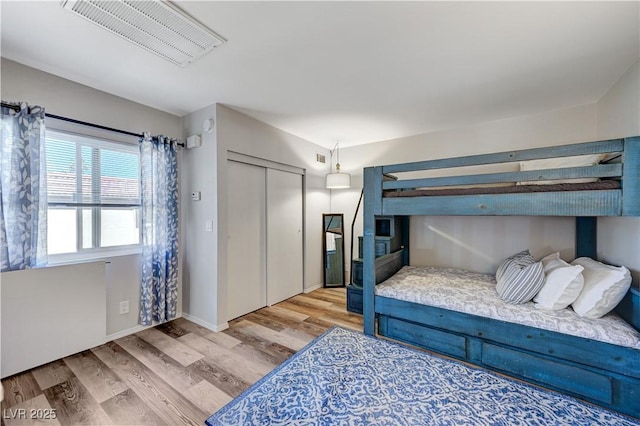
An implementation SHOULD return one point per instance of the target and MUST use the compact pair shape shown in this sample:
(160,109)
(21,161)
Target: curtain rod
(84,123)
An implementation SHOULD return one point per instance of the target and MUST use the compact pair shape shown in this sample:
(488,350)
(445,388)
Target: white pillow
(604,287)
(559,163)
(562,285)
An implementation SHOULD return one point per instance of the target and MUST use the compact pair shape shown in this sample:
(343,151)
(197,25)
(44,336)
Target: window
(93,194)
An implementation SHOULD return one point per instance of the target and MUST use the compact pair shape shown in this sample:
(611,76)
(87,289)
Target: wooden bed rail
(598,147)
(626,147)
(599,171)
(631,177)
(629,308)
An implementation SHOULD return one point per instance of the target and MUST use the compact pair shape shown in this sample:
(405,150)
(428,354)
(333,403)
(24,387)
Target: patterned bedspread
(474,293)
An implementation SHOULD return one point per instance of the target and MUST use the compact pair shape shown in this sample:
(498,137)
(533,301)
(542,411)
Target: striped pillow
(519,278)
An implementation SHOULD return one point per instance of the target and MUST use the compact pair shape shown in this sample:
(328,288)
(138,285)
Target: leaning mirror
(333,249)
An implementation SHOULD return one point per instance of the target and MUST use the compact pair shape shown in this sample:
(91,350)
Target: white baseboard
(205,324)
(313,288)
(132,330)
(127,332)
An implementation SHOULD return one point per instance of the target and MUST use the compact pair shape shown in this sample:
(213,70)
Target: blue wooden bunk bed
(596,371)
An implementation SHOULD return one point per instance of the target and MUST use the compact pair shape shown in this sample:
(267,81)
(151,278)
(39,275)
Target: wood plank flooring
(177,373)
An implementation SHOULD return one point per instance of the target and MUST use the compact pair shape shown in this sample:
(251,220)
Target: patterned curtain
(23,188)
(159,287)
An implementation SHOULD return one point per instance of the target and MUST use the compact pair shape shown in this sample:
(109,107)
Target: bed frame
(598,372)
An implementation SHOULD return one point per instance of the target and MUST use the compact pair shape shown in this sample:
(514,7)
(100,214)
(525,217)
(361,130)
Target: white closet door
(284,235)
(246,240)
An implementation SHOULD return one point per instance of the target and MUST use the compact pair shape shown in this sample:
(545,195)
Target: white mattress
(474,293)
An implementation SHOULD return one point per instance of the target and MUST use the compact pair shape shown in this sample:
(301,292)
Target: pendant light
(337,180)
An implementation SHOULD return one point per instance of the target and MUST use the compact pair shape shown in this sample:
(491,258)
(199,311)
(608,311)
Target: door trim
(261,162)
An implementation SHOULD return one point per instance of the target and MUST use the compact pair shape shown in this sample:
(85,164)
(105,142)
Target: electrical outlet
(124,307)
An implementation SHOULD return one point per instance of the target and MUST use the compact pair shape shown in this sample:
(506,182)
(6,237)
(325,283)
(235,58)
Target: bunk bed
(598,371)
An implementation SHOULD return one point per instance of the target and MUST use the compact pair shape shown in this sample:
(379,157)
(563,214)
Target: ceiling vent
(157,26)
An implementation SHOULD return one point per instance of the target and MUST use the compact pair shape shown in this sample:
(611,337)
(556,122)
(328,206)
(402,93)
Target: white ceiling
(356,72)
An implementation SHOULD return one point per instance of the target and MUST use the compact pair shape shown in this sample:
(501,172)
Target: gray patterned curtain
(23,188)
(159,287)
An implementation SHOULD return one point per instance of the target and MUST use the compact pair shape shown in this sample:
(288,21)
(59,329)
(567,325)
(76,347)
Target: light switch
(195,196)
(208,226)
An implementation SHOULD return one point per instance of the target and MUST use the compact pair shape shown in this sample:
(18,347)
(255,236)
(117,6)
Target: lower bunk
(594,360)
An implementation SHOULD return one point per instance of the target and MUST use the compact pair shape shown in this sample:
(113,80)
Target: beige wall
(69,99)
(619,116)
(50,313)
(619,107)
(200,248)
(476,243)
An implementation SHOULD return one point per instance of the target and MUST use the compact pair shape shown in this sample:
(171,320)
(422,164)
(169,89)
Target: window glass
(61,170)
(119,227)
(119,177)
(62,230)
(93,193)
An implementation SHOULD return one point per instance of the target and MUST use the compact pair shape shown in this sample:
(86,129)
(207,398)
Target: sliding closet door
(246,240)
(284,235)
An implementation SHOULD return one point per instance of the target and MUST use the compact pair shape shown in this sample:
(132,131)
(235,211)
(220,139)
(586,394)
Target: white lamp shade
(338,180)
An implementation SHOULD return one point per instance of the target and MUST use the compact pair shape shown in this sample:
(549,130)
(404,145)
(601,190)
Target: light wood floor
(174,374)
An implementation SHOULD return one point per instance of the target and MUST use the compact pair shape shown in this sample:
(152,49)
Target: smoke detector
(157,26)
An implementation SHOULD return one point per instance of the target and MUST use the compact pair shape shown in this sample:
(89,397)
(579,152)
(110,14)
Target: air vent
(157,26)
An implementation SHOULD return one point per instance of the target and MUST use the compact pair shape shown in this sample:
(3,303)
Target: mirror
(333,249)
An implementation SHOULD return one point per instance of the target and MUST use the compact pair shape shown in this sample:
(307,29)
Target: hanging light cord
(337,151)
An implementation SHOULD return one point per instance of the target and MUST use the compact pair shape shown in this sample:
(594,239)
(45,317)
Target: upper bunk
(548,188)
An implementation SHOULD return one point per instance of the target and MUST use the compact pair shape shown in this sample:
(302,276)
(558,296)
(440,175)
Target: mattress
(474,293)
(514,189)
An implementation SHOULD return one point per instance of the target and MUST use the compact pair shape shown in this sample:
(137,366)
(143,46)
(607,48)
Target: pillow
(559,163)
(562,284)
(604,287)
(505,263)
(519,278)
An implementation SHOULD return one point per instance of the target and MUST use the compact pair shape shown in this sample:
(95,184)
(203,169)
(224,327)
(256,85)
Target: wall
(476,243)
(122,278)
(199,248)
(204,170)
(69,99)
(619,116)
(51,313)
(619,108)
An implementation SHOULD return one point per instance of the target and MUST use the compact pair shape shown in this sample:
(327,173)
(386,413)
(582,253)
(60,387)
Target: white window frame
(98,138)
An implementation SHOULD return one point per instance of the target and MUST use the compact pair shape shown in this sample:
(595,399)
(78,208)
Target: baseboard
(132,330)
(205,324)
(313,288)
(127,332)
